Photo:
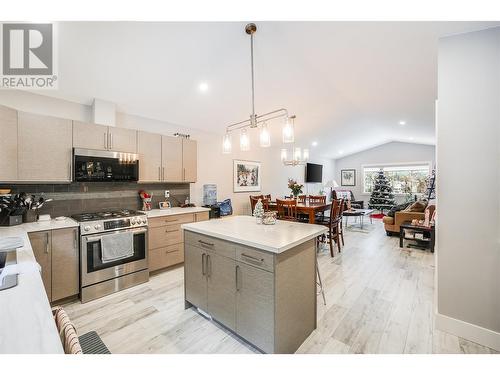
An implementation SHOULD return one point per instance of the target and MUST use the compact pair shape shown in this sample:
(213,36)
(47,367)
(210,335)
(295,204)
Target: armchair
(348,194)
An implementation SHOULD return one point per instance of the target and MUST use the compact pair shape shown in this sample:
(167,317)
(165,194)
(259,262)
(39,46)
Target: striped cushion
(67,331)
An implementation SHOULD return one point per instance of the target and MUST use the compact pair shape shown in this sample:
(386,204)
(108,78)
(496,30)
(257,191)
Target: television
(314,172)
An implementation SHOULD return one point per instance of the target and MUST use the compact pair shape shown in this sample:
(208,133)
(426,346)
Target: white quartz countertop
(175,211)
(26,323)
(244,230)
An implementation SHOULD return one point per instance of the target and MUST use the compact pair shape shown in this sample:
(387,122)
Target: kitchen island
(257,280)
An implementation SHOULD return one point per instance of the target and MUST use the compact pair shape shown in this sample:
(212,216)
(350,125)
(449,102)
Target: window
(404,179)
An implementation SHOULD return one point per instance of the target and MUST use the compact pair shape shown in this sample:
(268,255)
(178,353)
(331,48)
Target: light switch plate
(167,193)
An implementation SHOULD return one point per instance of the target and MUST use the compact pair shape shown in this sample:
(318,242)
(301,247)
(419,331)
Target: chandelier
(260,122)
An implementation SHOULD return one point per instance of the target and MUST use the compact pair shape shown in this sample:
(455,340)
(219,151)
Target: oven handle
(134,231)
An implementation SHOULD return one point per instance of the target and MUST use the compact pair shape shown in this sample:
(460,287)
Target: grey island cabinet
(257,280)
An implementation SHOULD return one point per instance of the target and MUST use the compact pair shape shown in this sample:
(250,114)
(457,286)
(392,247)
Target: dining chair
(253,201)
(332,223)
(287,209)
(341,226)
(317,199)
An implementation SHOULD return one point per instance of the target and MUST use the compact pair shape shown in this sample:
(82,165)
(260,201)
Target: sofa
(347,194)
(391,224)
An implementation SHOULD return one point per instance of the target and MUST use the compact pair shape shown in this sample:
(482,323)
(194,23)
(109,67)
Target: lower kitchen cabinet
(267,299)
(57,252)
(255,306)
(195,280)
(221,279)
(166,239)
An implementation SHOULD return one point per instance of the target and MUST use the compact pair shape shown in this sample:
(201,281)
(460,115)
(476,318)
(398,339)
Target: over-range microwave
(104,166)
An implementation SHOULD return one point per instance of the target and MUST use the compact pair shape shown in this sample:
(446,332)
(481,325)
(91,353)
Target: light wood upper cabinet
(44,148)
(91,136)
(189,160)
(121,139)
(101,137)
(65,261)
(172,170)
(40,243)
(8,144)
(149,150)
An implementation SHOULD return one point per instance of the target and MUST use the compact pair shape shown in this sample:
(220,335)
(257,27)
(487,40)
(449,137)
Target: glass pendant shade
(305,154)
(288,133)
(226,144)
(283,154)
(265,137)
(244,141)
(297,154)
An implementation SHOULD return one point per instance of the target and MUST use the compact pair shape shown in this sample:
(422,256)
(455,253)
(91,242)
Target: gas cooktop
(105,215)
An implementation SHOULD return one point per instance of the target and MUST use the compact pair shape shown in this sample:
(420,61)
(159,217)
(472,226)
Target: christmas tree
(382,196)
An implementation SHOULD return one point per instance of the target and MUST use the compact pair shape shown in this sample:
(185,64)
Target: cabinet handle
(184,174)
(69,171)
(206,243)
(105,140)
(163,173)
(110,141)
(76,241)
(171,221)
(236,278)
(203,264)
(159,174)
(46,242)
(209,266)
(249,257)
(171,231)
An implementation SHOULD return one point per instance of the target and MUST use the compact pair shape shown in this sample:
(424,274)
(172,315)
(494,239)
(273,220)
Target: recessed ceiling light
(402,123)
(411,138)
(315,144)
(341,152)
(203,87)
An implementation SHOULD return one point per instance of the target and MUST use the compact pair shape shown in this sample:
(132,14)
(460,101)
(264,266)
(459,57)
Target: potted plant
(295,187)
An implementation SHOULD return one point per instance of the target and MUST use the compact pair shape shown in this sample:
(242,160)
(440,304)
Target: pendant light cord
(253,87)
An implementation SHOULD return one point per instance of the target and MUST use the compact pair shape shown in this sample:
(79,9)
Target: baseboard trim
(468,331)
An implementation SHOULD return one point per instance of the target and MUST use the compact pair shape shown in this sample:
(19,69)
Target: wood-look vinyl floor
(379,300)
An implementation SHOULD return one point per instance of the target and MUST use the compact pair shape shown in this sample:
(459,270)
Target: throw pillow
(399,207)
(418,206)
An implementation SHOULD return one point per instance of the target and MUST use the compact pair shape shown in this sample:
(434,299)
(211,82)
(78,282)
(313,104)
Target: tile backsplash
(75,198)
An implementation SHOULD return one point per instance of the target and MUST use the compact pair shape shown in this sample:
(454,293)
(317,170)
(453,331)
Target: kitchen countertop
(26,322)
(175,211)
(244,230)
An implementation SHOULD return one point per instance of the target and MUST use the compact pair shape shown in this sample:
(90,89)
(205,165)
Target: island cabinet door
(195,276)
(221,276)
(255,306)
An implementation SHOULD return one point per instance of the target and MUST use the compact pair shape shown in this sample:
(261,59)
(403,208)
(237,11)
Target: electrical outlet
(167,193)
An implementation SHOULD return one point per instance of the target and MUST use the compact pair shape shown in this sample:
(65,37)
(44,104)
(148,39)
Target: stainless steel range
(113,252)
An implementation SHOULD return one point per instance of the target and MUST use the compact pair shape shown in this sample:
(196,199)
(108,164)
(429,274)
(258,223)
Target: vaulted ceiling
(349,83)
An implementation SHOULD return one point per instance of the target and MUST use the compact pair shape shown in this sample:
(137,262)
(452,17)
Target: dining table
(307,208)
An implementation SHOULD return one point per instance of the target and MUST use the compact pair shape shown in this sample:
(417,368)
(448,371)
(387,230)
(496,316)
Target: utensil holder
(30,216)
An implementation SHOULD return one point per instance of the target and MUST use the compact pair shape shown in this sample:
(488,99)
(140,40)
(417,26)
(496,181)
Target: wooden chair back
(335,211)
(254,199)
(302,198)
(317,199)
(287,209)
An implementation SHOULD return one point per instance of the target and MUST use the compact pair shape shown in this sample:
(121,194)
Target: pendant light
(244,140)
(265,136)
(226,144)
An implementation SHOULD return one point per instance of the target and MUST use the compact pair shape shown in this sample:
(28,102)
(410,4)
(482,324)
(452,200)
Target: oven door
(93,270)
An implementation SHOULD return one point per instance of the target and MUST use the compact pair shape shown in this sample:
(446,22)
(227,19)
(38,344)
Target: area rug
(377,216)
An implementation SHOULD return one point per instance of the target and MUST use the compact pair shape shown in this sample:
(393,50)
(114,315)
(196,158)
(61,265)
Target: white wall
(468,139)
(213,166)
(389,153)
